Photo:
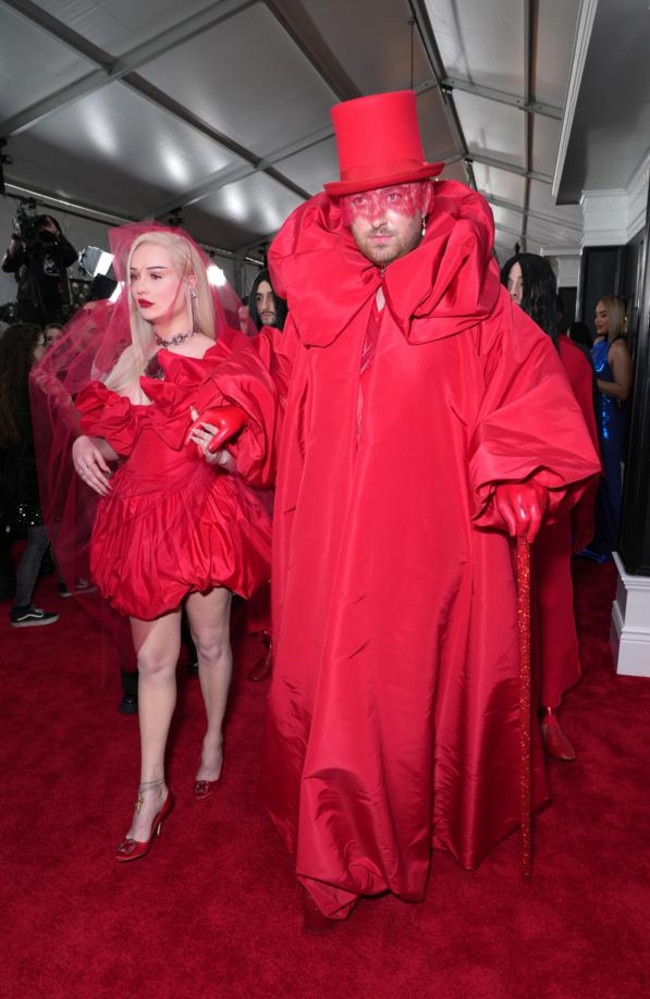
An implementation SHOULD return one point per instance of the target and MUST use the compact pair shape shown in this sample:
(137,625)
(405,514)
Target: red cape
(393,714)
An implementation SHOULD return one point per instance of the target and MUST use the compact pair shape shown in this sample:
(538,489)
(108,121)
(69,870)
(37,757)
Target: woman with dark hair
(178,522)
(20,347)
(531,283)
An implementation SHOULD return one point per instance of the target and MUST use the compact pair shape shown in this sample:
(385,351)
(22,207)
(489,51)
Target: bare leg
(209,617)
(157,643)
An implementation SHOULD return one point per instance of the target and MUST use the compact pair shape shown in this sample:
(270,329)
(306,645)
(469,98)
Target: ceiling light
(94,260)
(216,276)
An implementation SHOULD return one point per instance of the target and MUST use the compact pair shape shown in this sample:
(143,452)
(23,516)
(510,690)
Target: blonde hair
(614,306)
(186,262)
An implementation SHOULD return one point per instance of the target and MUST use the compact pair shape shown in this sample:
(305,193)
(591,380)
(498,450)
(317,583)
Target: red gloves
(222,422)
(521,506)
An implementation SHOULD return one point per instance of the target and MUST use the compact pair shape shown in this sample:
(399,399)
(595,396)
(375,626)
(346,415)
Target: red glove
(223,421)
(521,506)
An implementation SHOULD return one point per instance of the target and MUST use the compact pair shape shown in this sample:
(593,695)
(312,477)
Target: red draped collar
(451,279)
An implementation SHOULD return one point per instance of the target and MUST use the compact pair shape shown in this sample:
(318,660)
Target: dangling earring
(193,304)
(423,230)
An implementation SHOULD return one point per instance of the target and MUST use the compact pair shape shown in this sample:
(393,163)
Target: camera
(29,226)
(26,225)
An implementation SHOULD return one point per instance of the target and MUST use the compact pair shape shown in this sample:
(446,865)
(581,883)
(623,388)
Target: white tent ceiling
(218,112)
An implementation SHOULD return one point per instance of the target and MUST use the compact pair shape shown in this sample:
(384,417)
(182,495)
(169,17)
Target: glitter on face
(404,199)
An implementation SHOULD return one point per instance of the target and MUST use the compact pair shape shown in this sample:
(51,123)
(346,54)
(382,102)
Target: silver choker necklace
(174,341)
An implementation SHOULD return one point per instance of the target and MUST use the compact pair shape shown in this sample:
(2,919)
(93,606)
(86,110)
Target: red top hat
(379,144)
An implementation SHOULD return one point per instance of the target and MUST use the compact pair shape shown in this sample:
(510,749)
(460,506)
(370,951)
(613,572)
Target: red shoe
(204,788)
(133,849)
(556,743)
(314,921)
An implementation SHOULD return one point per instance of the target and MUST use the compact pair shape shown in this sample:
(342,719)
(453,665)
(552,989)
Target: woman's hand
(212,429)
(90,465)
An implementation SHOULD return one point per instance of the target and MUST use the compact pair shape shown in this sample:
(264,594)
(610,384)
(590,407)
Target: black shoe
(129,704)
(30,617)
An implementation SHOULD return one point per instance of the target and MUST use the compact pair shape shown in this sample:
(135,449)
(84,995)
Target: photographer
(39,255)
(21,346)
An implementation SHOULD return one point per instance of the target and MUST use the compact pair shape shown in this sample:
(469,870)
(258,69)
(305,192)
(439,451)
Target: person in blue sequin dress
(613,367)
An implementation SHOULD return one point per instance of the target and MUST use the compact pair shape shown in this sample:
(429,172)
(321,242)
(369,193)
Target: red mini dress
(172,524)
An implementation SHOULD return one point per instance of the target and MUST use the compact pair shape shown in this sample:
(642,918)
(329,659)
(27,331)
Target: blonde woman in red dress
(179,520)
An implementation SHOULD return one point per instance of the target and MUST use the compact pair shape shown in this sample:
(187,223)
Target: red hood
(452,278)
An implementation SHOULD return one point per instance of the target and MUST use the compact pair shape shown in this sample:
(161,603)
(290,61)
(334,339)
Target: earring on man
(423,230)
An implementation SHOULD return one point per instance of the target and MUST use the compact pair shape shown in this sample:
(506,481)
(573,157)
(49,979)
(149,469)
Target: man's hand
(521,506)
(90,465)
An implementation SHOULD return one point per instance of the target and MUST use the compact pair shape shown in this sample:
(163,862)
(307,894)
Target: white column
(614,217)
(565,263)
(629,634)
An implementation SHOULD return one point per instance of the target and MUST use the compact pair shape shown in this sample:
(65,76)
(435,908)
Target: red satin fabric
(393,713)
(557,654)
(172,524)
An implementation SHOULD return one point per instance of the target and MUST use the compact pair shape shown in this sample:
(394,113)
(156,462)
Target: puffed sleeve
(105,414)
(244,379)
(528,423)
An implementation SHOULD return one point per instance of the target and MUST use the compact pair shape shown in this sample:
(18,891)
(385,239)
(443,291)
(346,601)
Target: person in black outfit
(20,506)
(264,308)
(39,255)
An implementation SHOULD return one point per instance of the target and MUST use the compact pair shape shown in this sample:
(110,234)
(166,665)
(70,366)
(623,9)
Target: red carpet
(213,910)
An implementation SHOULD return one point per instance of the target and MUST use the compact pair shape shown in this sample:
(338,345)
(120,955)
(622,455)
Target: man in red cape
(426,420)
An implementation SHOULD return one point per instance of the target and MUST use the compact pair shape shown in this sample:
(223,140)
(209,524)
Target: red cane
(523,629)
